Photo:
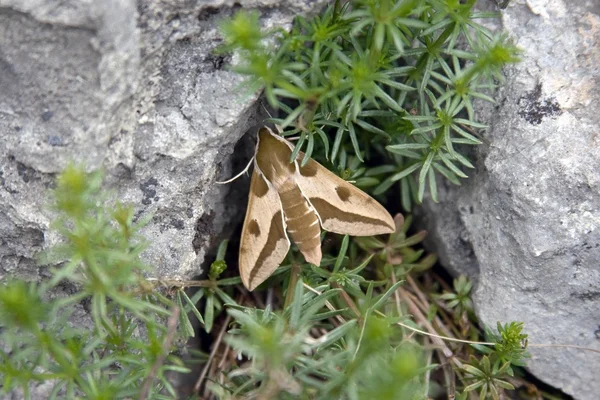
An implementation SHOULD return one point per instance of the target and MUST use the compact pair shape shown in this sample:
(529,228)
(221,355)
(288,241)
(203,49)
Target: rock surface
(526,224)
(134,88)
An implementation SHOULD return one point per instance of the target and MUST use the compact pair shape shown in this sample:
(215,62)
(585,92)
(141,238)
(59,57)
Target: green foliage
(489,373)
(460,299)
(511,343)
(343,335)
(487,378)
(391,80)
(357,359)
(114,354)
(384,90)
(397,254)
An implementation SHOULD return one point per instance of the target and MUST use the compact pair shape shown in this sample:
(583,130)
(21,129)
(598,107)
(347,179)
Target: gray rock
(134,88)
(526,224)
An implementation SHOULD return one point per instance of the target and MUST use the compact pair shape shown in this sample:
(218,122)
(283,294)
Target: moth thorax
(302,222)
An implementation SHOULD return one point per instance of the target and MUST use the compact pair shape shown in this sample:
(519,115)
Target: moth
(287,198)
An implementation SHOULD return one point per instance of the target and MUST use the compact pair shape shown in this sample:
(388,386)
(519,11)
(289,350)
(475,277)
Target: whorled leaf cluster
(391,82)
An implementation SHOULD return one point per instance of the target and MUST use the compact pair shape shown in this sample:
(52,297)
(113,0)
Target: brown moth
(285,196)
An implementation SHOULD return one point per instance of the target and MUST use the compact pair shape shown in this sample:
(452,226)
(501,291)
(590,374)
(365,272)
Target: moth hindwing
(287,198)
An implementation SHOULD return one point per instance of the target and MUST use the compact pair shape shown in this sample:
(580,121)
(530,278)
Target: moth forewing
(264,243)
(342,207)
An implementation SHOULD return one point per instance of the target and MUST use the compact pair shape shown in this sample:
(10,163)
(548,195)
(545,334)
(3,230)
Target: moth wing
(264,242)
(341,206)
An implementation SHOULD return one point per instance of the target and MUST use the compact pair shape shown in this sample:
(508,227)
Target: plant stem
(291,289)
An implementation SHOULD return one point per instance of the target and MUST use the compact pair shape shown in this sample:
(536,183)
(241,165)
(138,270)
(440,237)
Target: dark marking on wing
(343,193)
(259,186)
(327,211)
(276,233)
(253,228)
(310,169)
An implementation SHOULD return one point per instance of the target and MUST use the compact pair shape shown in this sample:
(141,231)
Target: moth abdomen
(302,222)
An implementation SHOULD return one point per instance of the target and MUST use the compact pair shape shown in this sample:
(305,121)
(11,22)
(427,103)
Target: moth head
(272,156)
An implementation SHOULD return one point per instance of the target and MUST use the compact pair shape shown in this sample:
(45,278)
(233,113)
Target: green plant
(124,349)
(510,344)
(345,332)
(352,360)
(460,299)
(384,90)
(391,80)
(488,378)
(489,373)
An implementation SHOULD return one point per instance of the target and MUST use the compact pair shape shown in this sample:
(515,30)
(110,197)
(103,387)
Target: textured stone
(134,88)
(526,224)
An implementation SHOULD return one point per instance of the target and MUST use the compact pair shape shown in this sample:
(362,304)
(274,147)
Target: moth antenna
(265,108)
(278,127)
(238,175)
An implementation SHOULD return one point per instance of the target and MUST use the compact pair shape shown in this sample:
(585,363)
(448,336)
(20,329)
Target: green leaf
(354,141)
(446,173)
(463,160)
(298,147)
(384,297)
(404,146)
(325,141)
(451,166)
(407,171)
(405,195)
(222,249)
(503,384)
(474,386)
(225,297)
(336,334)
(433,186)
(336,143)
(371,128)
(383,186)
(309,150)
(191,304)
(425,168)
(296,305)
(425,129)
(342,253)
(209,312)
(470,123)
(382,169)
(184,321)
(311,307)
(387,99)
(473,371)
